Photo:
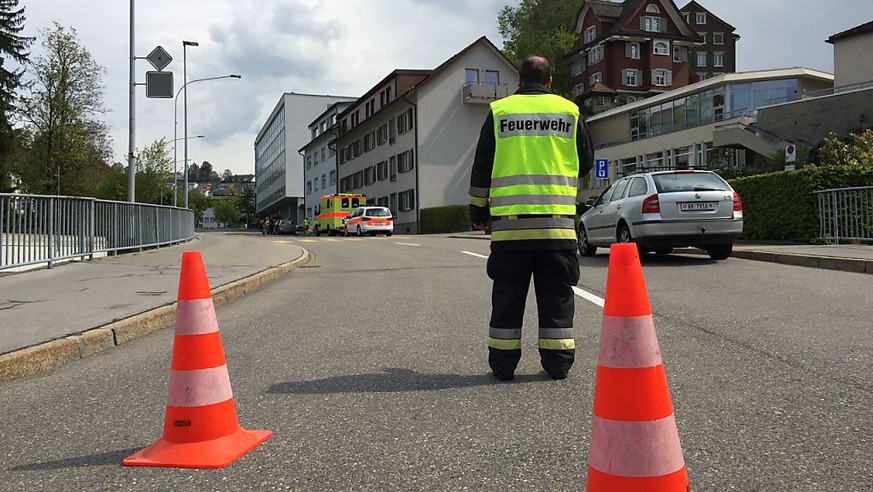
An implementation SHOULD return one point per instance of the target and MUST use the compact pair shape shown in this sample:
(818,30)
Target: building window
(406,200)
(595,55)
(701,59)
(382,171)
(590,34)
(492,77)
(661,77)
(309,162)
(718,59)
(597,77)
(392,168)
(661,48)
(405,162)
(382,134)
(323,154)
(308,187)
(603,101)
(369,141)
(323,181)
(332,178)
(472,75)
(632,50)
(718,38)
(392,132)
(404,122)
(653,24)
(577,67)
(680,54)
(702,35)
(631,77)
(700,18)
(578,89)
(370,175)
(315,184)
(653,9)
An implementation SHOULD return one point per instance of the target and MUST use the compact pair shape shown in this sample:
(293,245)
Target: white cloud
(343,47)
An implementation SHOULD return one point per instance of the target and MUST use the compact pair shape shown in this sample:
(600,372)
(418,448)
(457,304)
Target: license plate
(696,206)
(378,222)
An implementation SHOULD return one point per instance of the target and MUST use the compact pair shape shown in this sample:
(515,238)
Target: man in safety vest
(532,150)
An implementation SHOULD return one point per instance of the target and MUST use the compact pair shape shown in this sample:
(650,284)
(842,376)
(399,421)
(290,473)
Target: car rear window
(676,182)
(378,212)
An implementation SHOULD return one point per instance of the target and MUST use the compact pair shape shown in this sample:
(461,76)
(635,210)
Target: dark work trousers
(554,274)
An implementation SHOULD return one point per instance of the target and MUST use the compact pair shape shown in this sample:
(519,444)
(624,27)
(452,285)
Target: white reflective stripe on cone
(629,342)
(196,317)
(199,387)
(635,449)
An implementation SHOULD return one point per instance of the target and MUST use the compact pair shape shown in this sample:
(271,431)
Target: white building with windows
(279,168)
(409,142)
(320,159)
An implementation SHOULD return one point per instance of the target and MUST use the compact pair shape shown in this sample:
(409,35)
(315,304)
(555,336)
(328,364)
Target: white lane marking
(579,292)
(407,244)
(588,296)
(477,255)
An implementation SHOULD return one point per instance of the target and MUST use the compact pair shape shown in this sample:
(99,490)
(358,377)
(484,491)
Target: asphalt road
(369,364)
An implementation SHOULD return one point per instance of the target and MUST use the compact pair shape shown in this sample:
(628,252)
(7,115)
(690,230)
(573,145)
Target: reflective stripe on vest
(536,166)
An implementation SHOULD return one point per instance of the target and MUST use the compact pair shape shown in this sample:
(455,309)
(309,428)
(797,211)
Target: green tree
(12,46)
(541,27)
(245,203)
(854,149)
(227,174)
(226,211)
(69,147)
(153,174)
(198,202)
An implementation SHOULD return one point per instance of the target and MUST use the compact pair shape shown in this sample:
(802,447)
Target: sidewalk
(51,317)
(856,258)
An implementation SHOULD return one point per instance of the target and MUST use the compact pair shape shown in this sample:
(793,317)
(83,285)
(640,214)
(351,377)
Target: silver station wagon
(663,210)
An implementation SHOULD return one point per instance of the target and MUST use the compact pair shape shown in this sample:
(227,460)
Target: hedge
(451,218)
(782,205)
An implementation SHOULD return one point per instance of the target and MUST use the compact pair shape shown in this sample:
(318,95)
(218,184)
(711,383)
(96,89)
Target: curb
(853,265)
(48,355)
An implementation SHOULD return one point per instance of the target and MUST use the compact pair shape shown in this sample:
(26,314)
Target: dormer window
(653,9)
(700,18)
(590,34)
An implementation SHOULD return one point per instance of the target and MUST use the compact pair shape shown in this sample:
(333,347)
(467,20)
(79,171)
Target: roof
(431,74)
(855,31)
(695,5)
(722,79)
(601,88)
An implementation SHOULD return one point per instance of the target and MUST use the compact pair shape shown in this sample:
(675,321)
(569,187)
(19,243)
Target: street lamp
(176,124)
(175,162)
(185,45)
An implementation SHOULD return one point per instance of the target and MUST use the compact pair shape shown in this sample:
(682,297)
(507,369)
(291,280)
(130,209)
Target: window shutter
(669,78)
(642,23)
(627,49)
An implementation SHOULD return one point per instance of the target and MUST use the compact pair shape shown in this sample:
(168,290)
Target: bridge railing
(846,214)
(36,229)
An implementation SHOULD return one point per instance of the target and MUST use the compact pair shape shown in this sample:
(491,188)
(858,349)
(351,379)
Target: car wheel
(331,232)
(359,232)
(623,235)
(663,251)
(387,234)
(720,251)
(585,248)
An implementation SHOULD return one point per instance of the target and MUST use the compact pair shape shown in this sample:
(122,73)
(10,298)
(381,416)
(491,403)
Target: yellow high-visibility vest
(536,167)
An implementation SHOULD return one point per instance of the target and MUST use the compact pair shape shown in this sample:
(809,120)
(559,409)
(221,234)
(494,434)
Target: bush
(451,218)
(782,205)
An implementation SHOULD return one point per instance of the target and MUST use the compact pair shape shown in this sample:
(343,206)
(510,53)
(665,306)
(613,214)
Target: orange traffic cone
(200,426)
(634,440)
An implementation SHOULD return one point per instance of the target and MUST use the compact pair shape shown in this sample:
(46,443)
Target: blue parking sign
(601,168)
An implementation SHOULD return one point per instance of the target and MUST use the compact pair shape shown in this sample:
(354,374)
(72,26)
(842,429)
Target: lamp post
(176,161)
(176,124)
(185,45)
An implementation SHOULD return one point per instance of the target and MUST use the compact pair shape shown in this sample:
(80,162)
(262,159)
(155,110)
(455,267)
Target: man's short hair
(535,70)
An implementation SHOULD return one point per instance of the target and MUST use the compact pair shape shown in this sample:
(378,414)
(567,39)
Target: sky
(343,48)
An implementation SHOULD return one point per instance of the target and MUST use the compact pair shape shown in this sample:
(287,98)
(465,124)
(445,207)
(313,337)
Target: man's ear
(549,83)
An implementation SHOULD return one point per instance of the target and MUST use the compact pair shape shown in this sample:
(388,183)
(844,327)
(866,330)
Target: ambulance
(332,209)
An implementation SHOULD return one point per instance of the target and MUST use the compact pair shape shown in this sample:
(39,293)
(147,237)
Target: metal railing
(37,229)
(846,214)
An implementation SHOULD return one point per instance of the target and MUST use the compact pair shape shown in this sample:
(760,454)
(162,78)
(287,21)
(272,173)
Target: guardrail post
(138,210)
(836,218)
(157,228)
(114,229)
(50,230)
(92,229)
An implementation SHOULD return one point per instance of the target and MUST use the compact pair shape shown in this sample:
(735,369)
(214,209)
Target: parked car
(286,226)
(369,220)
(663,210)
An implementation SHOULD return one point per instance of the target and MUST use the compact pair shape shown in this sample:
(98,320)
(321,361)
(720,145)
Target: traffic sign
(790,153)
(159,58)
(159,84)
(601,168)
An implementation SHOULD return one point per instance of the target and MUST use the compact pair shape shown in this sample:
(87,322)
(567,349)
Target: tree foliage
(854,149)
(13,46)
(541,27)
(153,174)
(69,147)
(226,211)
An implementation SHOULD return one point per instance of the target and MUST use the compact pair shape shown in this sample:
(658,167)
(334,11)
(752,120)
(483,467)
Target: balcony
(476,93)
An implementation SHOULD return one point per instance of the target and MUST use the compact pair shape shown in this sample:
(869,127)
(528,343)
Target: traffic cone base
(201,429)
(216,453)
(677,481)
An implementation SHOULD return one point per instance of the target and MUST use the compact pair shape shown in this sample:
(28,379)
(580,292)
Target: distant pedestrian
(532,150)
(305,224)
